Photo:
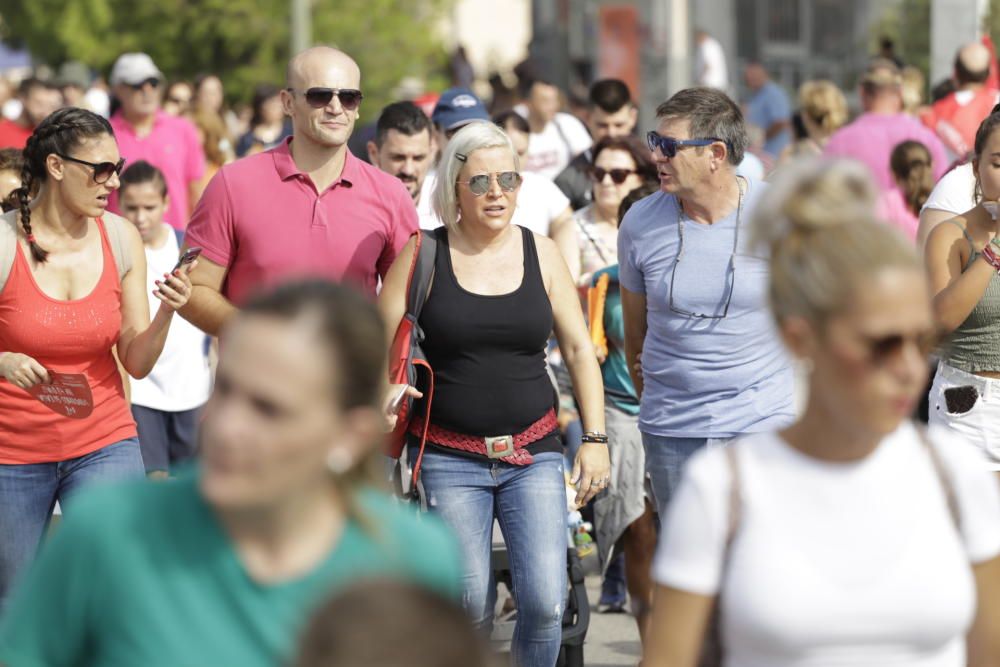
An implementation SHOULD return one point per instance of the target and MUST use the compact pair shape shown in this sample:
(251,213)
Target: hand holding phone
(397,400)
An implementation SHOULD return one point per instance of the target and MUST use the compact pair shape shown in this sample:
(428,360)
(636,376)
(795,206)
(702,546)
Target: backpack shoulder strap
(119,248)
(8,245)
(947,484)
(421,273)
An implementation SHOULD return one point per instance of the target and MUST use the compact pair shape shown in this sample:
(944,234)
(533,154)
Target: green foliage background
(246,42)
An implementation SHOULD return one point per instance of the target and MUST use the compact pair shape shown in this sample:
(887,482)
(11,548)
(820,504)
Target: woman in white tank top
(851,537)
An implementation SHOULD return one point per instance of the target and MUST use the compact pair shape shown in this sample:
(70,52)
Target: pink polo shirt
(174,148)
(871,138)
(263,219)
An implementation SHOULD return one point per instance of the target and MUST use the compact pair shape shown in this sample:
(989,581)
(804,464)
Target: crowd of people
(712,334)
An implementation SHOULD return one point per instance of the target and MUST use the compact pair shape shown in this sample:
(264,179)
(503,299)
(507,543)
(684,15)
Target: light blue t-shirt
(704,378)
(768,106)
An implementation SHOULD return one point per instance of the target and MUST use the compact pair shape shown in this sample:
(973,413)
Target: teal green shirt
(144,575)
(618,387)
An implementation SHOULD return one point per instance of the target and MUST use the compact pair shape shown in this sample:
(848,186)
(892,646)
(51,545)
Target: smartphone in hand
(397,400)
(189,256)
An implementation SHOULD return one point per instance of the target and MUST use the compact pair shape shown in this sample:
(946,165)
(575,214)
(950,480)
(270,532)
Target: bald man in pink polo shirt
(305,208)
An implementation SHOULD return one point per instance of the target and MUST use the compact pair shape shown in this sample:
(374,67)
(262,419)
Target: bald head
(972,64)
(319,62)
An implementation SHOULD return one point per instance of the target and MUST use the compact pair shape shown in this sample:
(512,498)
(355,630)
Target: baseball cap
(882,72)
(133,68)
(458,107)
(73,73)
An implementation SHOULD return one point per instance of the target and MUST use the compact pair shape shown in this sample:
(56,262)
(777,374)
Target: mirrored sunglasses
(480,183)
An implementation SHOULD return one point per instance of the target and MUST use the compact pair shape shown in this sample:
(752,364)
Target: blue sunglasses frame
(668,145)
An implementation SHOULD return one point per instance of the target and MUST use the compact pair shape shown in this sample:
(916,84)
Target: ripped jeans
(969,405)
(530,504)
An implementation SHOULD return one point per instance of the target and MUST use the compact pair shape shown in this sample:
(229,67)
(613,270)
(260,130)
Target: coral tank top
(74,336)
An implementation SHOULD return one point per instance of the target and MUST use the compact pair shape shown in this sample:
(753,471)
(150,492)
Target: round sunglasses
(317,98)
(102,170)
(618,176)
(669,146)
(480,183)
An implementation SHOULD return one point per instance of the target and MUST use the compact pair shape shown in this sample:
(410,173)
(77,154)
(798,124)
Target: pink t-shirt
(172,147)
(871,138)
(262,218)
(893,209)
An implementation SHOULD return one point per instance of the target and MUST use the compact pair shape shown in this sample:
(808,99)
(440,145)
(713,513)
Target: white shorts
(977,420)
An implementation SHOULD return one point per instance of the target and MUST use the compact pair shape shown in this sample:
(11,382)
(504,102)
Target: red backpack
(407,362)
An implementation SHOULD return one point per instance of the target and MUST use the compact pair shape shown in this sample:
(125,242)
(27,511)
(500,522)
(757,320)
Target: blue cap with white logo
(457,107)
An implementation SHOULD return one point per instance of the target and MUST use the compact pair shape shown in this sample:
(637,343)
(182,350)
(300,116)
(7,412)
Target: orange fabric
(69,337)
(596,296)
(955,124)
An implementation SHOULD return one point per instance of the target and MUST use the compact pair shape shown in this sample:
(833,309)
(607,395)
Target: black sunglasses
(882,348)
(318,98)
(480,183)
(102,170)
(152,81)
(668,145)
(618,176)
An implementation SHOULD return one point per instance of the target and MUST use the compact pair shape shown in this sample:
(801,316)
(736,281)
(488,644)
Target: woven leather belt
(506,448)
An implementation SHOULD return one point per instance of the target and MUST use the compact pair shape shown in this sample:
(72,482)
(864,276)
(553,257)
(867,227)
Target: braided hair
(61,132)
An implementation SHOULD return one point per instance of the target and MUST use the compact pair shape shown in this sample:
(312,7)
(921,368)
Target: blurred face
(870,363)
(178,99)
(273,417)
(10,180)
(544,102)
(271,110)
(495,208)
(210,94)
(608,194)
(329,126)
(618,124)
(987,167)
(519,139)
(141,100)
(690,167)
(144,206)
(406,157)
(77,187)
(40,102)
(755,75)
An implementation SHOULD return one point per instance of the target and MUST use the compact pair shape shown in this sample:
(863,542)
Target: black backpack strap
(421,273)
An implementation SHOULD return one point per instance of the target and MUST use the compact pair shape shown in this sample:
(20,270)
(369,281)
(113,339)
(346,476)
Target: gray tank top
(975,345)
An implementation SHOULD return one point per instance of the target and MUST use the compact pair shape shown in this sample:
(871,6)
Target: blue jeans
(530,504)
(29,492)
(665,459)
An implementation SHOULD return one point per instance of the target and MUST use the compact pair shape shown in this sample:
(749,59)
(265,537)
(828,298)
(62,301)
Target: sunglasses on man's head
(102,170)
(152,81)
(669,146)
(618,176)
(480,183)
(318,98)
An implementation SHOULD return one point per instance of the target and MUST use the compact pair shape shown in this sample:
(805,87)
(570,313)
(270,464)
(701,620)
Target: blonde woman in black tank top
(497,293)
(963,261)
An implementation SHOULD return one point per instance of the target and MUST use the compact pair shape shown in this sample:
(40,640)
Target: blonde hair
(818,220)
(824,104)
(473,137)
(914,85)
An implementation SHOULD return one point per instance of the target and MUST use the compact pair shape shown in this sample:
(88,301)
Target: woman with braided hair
(64,312)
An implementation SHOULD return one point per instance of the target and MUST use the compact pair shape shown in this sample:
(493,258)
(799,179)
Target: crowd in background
(620,300)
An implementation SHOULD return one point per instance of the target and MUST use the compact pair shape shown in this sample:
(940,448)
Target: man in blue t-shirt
(768,108)
(694,293)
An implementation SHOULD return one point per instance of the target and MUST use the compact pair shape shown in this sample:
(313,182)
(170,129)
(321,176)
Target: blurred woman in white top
(856,538)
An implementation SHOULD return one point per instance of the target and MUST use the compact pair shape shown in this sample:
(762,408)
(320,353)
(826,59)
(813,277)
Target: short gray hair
(711,113)
(471,138)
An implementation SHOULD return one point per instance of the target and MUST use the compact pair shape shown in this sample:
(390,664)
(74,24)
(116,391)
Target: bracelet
(595,436)
(991,257)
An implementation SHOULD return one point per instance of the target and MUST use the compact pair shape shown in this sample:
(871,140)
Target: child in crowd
(167,403)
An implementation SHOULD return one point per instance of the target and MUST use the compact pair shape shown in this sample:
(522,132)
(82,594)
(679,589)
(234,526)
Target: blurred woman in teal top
(224,565)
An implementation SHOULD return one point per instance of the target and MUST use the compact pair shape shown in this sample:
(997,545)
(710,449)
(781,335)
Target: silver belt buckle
(499,446)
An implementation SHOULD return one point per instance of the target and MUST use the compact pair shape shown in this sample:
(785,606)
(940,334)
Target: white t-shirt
(181,379)
(710,65)
(539,202)
(425,207)
(835,564)
(954,192)
(552,149)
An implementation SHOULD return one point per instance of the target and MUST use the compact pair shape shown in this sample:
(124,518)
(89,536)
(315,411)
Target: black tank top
(488,352)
